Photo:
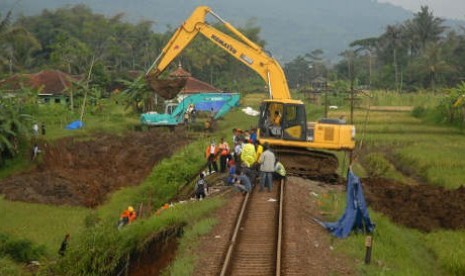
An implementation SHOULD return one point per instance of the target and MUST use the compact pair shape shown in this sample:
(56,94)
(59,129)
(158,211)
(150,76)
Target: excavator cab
(282,121)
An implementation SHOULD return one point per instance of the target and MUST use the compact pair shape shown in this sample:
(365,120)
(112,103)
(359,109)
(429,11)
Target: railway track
(255,245)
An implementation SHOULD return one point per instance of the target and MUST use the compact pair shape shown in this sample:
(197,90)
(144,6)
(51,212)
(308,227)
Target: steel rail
(237,227)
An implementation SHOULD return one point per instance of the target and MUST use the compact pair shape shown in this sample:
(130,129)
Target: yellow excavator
(282,121)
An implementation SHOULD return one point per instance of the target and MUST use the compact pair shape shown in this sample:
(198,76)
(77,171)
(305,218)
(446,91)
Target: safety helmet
(130,209)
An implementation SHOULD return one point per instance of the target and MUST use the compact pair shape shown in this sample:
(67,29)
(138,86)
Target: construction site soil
(422,207)
(74,171)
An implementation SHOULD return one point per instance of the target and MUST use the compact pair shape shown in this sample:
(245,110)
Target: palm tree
(370,45)
(13,126)
(392,40)
(425,28)
(433,64)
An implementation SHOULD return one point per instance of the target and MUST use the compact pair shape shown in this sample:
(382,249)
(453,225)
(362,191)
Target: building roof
(47,82)
(192,85)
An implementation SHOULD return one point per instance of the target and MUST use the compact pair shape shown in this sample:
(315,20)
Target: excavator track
(310,164)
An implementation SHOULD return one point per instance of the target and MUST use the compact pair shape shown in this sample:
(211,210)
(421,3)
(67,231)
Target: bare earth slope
(82,173)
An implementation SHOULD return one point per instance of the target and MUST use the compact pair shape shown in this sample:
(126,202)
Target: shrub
(20,250)
(376,165)
(419,112)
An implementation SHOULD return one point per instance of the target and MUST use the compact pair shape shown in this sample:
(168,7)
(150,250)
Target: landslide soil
(423,207)
(81,172)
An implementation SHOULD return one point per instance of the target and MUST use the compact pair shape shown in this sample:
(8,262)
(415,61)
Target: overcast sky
(454,9)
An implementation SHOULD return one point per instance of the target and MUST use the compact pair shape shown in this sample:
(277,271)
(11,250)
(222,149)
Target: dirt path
(75,172)
(307,245)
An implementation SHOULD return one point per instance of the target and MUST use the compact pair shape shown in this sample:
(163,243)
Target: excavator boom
(243,50)
(282,120)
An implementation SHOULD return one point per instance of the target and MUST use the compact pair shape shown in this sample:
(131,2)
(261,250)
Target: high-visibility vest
(224,148)
(279,168)
(248,155)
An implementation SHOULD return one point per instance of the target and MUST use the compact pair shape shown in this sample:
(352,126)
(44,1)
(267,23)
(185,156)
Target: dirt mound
(423,207)
(77,172)
(166,88)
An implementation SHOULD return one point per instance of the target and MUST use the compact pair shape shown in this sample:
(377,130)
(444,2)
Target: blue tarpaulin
(75,125)
(355,217)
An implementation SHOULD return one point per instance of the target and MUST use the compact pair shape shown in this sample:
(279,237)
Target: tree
(432,64)
(16,44)
(13,123)
(424,28)
(370,45)
(298,72)
(138,95)
(68,53)
(317,63)
(391,41)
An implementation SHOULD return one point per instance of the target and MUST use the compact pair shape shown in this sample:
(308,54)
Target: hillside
(290,28)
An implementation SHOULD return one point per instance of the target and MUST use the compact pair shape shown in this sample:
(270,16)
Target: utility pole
(325,90)
(352,100)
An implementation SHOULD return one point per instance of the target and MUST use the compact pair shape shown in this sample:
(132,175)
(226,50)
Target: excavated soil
(166,88)
(422,207)
(78,172)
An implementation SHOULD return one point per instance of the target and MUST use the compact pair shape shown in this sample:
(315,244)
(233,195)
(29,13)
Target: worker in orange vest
(211,153)
(128,216)
(224,154)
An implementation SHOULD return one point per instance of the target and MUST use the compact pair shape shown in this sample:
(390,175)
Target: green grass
(445,245)
(42,224)
(99,249)
(390,98)
(9,267)
(112,119)
(396,250)
(186,256)
(433,152)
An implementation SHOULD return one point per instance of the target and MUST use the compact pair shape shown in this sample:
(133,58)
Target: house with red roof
(52,85)
(193,85)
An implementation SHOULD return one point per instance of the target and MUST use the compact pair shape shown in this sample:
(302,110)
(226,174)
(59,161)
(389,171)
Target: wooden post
(368,247)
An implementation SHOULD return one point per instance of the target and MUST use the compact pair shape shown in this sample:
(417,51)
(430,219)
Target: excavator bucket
(166,88)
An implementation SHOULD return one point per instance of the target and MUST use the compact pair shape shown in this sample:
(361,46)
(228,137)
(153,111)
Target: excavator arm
(243,50)
(292,136)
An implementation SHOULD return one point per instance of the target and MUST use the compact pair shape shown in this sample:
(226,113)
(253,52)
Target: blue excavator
(217,103)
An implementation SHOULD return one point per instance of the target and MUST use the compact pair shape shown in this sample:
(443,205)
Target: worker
(211,153)
(128,216)
(201,187)
(248,154)
(63,246)
(224,154)
(35,129)
(279,170)
(258,149)
(193,113)
(231,172)
(35,152)
(237,151)
(267,161)
(242,182)
(253,135)
(275,127)
(277,118)
(186,118)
